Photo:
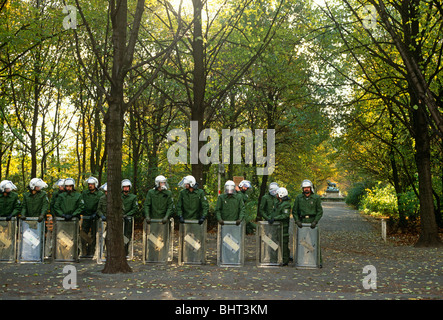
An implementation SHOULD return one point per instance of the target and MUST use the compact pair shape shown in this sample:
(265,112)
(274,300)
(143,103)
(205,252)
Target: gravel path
(348,241)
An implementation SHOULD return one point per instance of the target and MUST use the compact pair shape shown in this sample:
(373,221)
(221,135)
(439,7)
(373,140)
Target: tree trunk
(114,121)
(198,109)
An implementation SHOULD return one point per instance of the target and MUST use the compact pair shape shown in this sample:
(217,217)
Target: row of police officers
(192,204)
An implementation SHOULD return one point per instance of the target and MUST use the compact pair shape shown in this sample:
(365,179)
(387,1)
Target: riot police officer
(192,203)
(35,202)
(158,203)
(307,206)
(268,202)
(230,205)
(10,205)
(69,204)
(90,197)
(282,211)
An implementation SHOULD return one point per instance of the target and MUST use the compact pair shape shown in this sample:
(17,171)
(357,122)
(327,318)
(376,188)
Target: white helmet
(273,189)
(59,183)
(104,187)
(37,182)
(229,187)
(162,181)
(69,182)
(282,192)
(126,183)
(7,184)
(188,180)
(307,183)
(245,183)
(92,180)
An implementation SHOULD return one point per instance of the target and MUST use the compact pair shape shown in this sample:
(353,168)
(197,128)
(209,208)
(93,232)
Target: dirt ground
(349,242)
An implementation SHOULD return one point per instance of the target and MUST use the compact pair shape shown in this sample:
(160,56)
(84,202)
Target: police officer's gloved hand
(68,217)
(237,222)
(164,220)
(40,218)
(299,224)
(271,221)
(181,219)
(148,220)
(103,218)
(8,218)
(23,218)
(201,220)
(221,222)
(313,224)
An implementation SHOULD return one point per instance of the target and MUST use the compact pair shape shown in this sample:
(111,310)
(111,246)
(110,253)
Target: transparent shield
(100,252)
(128,236)
(8,236)
(65,240)
(307,247)
(192,242)
(269,244)
(156,241)
(230,244)
(31,240)
(87,236)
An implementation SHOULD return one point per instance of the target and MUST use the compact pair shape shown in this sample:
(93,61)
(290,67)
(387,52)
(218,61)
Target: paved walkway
(348,241)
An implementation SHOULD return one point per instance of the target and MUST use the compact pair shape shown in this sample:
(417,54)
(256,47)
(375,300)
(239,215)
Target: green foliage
(380,201)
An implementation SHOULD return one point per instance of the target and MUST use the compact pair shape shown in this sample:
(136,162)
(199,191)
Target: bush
(380,201)
(356,193)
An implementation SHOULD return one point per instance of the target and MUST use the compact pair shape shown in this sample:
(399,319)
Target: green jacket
(91,200)
(158,204)
(35,205)
(103,205)
(230,207)
(130,204)
(282,211)
(69,203)
(267,206)
(307,209)
(192,205)
(54,197)
(9,205)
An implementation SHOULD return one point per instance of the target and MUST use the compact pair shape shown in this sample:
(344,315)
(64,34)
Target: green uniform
(91,200)
(69,204)
(54,197)
(130,204)
(158,204)
(267,206)
(230,207)
(35,205)
(192,205)
(281,213)
(89,222)
(102,206)
(307,209)
(10,205)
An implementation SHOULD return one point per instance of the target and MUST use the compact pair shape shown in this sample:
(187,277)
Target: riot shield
(157,241)
(65,240)
(128,236)
(231,244)
(8,239)
(31,241)
(307,247)
(87,236)
(100,252)
(192,242)
(269,244)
